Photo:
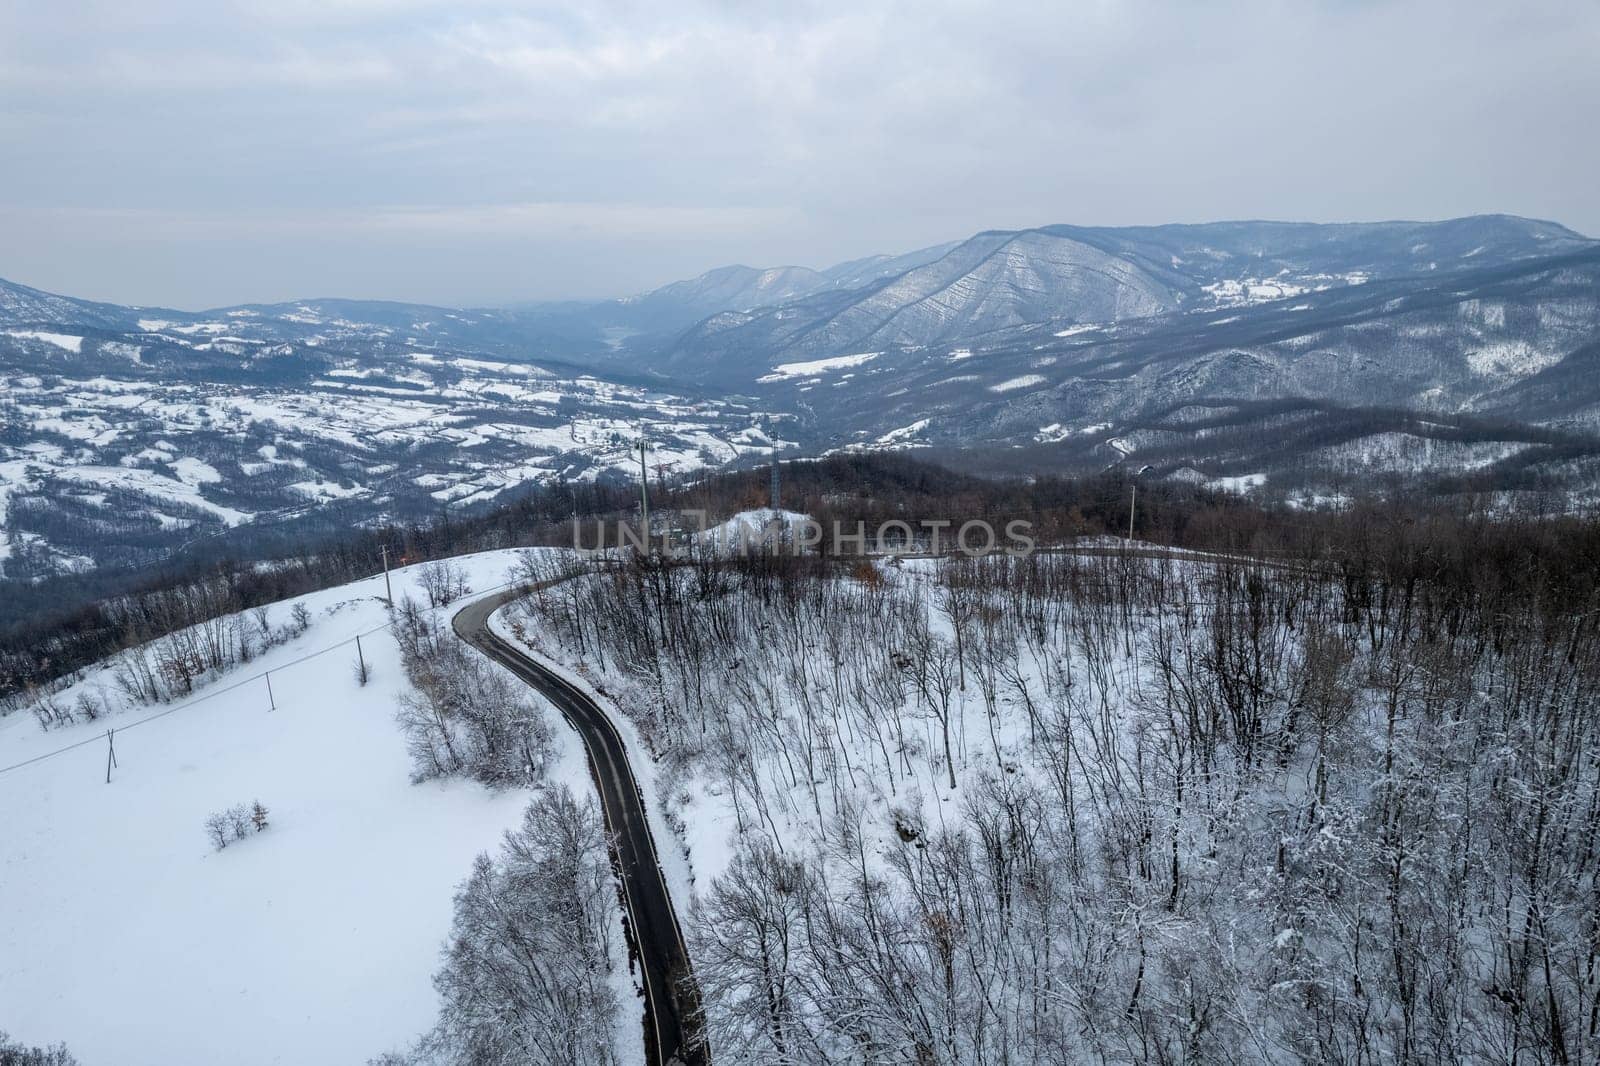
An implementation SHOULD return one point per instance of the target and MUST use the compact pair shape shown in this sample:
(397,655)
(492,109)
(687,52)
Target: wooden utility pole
(360,658)
(272,701)
(388,591)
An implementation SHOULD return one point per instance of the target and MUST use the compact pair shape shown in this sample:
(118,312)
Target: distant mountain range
(1251,356)
(1070,275)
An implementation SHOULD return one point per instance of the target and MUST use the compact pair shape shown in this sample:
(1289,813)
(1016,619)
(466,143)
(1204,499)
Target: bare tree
(526,971)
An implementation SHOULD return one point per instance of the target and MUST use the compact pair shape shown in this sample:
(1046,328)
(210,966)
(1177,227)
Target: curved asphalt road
(671,1028)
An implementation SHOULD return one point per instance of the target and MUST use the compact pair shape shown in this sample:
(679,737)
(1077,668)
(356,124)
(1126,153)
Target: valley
(1284,360)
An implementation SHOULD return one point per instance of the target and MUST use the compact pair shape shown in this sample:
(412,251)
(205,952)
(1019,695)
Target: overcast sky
(209,152)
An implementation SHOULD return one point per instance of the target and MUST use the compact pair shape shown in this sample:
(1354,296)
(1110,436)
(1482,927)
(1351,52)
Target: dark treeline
(53,628)
(875,488)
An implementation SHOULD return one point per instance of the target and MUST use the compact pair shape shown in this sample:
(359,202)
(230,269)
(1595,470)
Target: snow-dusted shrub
(235,823)
(217,829)
(463,714)
(173,665)
(262,617)
(51,712)
(87,707)
(239,821)
(443,581)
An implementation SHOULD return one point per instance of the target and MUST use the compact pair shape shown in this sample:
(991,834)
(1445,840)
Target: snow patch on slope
(63,341)
(1514,359)
(812,367)
(1026,381)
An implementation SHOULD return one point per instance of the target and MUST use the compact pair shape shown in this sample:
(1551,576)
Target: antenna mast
(644,497)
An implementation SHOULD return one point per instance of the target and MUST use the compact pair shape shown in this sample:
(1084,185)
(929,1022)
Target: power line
(213,693)
(201,698)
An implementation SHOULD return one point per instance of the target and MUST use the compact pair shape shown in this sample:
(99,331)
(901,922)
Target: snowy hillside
(1111,809)
(127,935)
(1072,275)
(116,448)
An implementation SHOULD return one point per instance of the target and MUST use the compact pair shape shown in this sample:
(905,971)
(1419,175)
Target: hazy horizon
(489,153)
(697,271)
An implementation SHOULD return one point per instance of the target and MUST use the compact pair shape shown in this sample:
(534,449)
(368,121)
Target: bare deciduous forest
(1332,804)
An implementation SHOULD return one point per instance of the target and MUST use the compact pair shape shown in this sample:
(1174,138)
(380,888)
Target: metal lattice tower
(774,480)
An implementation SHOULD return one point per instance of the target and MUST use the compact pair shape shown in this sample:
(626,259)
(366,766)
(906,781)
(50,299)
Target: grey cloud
(201,153)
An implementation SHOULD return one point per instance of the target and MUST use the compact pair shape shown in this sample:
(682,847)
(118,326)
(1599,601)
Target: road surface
(671,1028)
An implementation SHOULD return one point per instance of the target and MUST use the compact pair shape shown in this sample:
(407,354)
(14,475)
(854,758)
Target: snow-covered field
(124,934)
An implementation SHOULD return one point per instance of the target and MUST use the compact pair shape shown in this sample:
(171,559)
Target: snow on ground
(1412,453)
(1251,290)
(326,490)
(1026,381)
(816,366)
(906,434)
(1056,432)
(690,852)
(749,527)
(699,812)
(60,340)
(193,471)
(124,934)
(1511,359)
(1241,484)
(1239,292)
